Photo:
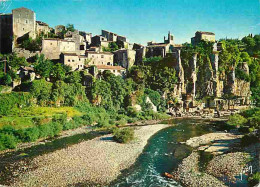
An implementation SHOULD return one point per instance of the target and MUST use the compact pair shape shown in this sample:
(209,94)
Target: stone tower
(24,23)
(170,39)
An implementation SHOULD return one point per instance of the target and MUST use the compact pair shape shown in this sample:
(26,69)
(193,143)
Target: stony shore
(188,173)
(228,161)
(97,161)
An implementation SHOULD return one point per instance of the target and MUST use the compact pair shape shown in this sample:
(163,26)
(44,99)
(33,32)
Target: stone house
(200,35)
(42,28)
(125,57)
(160,49)
(99,41)
(75,61)
(109,35)
(97,69)
(100,58)
(52,48)
(113,37)
(13,27)
(79,40)
(26,73)
(87,37)
(140,53)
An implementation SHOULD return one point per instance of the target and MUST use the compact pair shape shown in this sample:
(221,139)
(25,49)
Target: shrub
(69,125)
(254,179)
(132,120)
(30,134)
(8,141)
(56,128)
(103,124)
(45,131)
(2,147)
(122,122)
(236,120)
(124,135)
(131,111)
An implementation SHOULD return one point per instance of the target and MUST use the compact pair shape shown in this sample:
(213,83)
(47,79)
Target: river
(162,154)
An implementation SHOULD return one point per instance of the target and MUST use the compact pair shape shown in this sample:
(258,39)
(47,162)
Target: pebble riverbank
(225,164)
(97,161)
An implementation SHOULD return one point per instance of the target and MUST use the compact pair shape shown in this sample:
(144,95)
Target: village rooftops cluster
(78,48)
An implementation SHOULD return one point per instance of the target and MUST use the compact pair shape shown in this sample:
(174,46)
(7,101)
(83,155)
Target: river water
(162,154)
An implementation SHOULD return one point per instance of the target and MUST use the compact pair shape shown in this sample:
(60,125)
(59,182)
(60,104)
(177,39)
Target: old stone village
(84,52)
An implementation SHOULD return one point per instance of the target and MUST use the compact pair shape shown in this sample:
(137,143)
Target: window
(92,56)
(102,56)
(73,60)
(51,44)
(69,60)
(23,29)
(26,21)
(114,71)
(102,63)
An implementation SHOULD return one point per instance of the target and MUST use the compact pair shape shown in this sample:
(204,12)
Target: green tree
(236,120)
(70,27)
(58,72)
(73,77)
(41,90)
(43,67)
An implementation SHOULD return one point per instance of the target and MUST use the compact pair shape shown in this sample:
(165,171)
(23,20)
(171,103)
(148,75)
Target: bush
(45,131)
(131,111)
(56,128)
(254,179)
(236,120)
(122,122)
(124,135)
(8,141)
(29,134)
(103,124)
(89,119)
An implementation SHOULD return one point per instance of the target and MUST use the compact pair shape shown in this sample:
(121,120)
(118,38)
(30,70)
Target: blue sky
(146,20)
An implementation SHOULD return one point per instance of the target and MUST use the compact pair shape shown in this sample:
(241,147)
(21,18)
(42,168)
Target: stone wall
(24,22)
(52,48)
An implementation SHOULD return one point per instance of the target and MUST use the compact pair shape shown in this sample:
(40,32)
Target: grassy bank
(26,117)
(44,122)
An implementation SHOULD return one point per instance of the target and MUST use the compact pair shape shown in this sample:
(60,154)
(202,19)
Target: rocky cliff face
(206,80)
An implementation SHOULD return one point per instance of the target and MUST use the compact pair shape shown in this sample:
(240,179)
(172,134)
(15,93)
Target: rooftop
(42,23)
(208,33)
(106,67)
(104,53)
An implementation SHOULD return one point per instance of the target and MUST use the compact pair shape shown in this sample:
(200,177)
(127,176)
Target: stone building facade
(80,42)
(160,49)
(113,37)
(99,41)
(21,23)
(97,69)
(52,48)
(42,28)
(75,61)
(24,22)
(200,35)
(100,58)
(125,57)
